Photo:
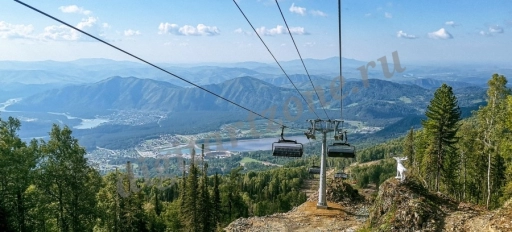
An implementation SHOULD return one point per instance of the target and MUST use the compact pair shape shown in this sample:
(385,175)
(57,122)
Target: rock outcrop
(408,206)
(343,193)
(399,206)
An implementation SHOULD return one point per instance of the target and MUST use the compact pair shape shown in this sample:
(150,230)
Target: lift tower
(324,127)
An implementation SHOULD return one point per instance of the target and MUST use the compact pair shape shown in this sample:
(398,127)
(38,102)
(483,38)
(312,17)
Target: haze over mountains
(92,88)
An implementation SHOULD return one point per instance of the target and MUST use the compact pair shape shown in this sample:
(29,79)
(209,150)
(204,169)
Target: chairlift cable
(342,149)
(275,59)
(144,61)
(302,60)
(341,74)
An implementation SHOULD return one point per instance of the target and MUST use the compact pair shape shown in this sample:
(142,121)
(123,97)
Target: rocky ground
(306,217)
(408,206)
(399,206)
(342,214)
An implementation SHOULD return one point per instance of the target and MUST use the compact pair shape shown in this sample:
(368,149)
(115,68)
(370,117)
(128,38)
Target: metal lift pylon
(324,129)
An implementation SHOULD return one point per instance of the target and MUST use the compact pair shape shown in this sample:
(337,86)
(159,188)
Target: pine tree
(183,187)
(190,215)
(408,148)
(158,204)
(468,149)
(204,207)
(216,202)
(441,125)
(132,216)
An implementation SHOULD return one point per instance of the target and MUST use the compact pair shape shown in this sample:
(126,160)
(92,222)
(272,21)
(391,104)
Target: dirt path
(310,186)
(306,217)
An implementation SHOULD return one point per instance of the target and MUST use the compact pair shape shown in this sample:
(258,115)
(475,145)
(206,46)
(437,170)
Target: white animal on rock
(400,169)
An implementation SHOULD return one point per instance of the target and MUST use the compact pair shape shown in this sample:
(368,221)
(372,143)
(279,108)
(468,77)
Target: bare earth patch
(306,217)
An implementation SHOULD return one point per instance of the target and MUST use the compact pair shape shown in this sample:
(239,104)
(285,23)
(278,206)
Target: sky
(433,31)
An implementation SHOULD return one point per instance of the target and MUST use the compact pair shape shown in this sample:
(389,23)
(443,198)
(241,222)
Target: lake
(264,144)
(253,144)
(90,123)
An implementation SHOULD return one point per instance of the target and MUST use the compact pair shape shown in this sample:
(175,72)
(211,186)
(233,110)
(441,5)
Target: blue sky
(215,31)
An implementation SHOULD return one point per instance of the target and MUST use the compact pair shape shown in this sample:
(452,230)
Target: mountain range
(90,88)
(377,100)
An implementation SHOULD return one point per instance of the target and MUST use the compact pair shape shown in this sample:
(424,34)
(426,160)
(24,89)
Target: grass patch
(248,160)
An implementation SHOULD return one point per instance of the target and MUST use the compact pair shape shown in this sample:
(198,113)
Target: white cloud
(165,28)
(297,10)
(61,32)
(451,23)
(13,31)
(273,31)
(318,13)
(388,15)
(201,29)
(401,34)
(53,32)
(496,29)
(279,30)
(131,32)
(240,31)
(87,22)
(492,30)
(440,34)
(74,9)
(298,31)
(367,14)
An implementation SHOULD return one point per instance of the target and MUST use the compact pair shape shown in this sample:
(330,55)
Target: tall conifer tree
(441,125)
(408,148)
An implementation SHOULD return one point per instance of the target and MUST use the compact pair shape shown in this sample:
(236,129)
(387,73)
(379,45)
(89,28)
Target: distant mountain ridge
(94,70)
(112,93)
(379,102)
(429,83)
(146,94)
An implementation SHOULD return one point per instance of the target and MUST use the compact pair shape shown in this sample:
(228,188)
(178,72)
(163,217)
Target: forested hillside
(47,185)
(467,159)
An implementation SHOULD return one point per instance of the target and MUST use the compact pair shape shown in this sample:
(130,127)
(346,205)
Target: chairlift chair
(340,175)
(341,149)
(287,148)
(314,170)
